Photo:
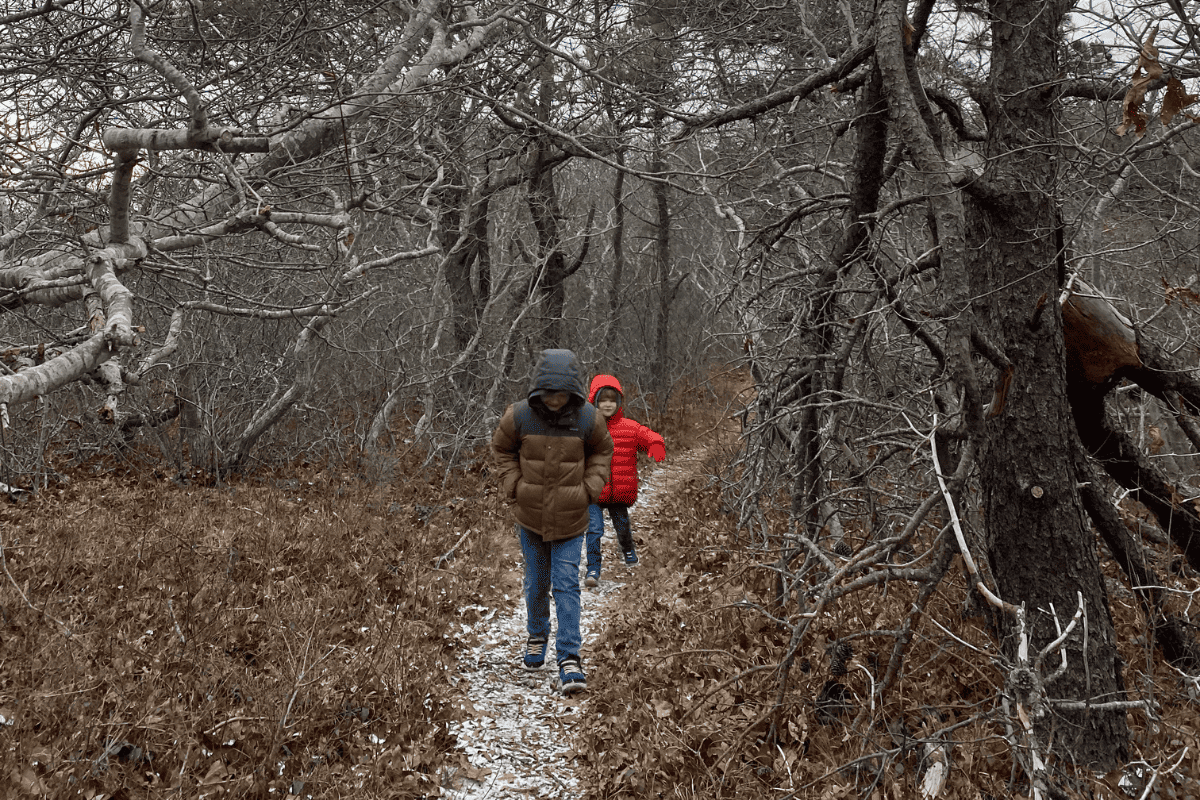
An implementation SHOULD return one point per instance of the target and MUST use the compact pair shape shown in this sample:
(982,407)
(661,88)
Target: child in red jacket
(622,488)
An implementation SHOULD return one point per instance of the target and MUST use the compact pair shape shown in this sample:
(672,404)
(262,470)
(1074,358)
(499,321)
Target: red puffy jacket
(628,437)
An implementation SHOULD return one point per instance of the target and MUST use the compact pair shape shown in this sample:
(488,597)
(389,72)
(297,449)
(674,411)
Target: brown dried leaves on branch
(1176,100)
(1147,73)
(1185,294)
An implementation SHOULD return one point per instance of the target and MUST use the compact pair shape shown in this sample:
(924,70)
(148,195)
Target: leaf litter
(222,642)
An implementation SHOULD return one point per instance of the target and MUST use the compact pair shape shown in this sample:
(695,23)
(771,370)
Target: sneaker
(535,654)
(593,579)
(630,557)
(570,674)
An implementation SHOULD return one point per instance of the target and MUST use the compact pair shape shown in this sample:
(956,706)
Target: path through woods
(518,731)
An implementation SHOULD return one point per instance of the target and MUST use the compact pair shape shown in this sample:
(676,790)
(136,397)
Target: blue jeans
(619,514)
(552,565)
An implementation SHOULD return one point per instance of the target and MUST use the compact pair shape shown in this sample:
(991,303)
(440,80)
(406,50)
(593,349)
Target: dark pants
(619,514)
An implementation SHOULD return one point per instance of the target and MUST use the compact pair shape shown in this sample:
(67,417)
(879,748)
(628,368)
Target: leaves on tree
(1175,100)
(1147,72)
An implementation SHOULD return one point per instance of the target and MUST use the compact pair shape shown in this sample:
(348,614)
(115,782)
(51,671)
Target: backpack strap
(587,420)
(521,418)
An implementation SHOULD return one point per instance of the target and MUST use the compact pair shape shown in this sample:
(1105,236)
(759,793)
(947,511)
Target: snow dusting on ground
(520,740)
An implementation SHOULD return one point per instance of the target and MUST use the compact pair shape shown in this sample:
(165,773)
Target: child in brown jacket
(553,453)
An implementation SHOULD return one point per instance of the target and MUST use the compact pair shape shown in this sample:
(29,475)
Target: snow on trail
(519,741)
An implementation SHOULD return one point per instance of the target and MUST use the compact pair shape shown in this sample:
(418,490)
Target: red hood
(601,381)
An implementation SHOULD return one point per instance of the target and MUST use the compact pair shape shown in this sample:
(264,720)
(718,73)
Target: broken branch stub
(1100,341)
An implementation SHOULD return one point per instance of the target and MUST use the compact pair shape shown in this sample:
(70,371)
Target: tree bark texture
(1103,348)
(543,206)
(1171,630)
(467,258)
(1041,551)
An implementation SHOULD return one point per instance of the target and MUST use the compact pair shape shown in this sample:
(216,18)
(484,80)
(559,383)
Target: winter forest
(909,288)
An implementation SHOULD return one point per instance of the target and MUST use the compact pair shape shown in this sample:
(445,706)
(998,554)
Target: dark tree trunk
(662,268)
(200,445)
(618,256)
(1041,552)
(870,153)
(468,258)
(1131,468)
(543,205)
(551,266)
(1103,349)
(1171,630)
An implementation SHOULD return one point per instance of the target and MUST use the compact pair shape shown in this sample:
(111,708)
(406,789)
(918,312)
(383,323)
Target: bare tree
(947,221)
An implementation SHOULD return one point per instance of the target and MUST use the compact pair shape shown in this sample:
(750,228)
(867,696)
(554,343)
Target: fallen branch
(445,557)
(13,492)
(937,756)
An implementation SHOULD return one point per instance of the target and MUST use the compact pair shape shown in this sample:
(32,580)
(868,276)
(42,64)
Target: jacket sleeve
(599,451)
(506,455)
(652,443)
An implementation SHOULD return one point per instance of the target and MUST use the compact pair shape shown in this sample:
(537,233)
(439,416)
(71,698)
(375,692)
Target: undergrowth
(298,634)
(690,702)
(249,639)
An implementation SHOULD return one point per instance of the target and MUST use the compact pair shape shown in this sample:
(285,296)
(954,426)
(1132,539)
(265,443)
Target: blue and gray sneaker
(593,578)
(535,654)
(571,677)
(631,557)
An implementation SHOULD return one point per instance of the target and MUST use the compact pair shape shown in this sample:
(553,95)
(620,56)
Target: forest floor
(329,633)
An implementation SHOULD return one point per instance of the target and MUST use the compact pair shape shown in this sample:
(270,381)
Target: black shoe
(631,557)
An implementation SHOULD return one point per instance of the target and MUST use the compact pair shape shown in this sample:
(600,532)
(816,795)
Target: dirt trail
(518,731)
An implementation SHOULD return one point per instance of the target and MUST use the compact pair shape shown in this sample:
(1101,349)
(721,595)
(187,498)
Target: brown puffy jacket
(553,466)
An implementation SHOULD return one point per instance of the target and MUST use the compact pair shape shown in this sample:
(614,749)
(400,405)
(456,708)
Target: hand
(656,451)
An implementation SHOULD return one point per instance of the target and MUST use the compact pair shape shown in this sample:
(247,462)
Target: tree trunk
(662,268)
(191,425)
(807,490)
(543,206)
(468,257)
(618,255)
(1041,551)
(1103,348)
(1171,630)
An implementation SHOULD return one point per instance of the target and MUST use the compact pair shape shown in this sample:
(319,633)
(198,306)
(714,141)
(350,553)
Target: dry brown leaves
(294,635)
(688,700)
(1146,75)
(242,640)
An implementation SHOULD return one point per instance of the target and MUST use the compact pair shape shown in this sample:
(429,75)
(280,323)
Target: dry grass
(298,633)
(161,639)
(690,703)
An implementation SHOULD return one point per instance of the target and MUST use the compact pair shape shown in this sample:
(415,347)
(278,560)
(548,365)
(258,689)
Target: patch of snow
(518,736)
